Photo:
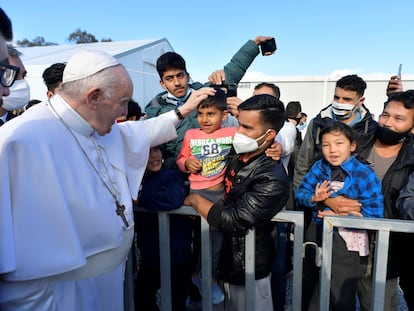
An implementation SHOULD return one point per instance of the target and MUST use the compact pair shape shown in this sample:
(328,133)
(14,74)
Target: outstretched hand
(274,151)
(260,39)
(394,85)
(233,104)
(217,77)
(195,98)
(322,191)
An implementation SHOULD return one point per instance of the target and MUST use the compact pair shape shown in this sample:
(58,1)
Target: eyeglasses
(8,74)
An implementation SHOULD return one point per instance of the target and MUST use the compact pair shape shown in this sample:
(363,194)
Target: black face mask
(389,137)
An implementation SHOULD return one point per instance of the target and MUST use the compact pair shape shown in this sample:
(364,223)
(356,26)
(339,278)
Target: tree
(81,36)
(76,37)
(38,41)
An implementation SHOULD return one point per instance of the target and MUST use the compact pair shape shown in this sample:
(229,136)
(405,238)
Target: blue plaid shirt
(360,184)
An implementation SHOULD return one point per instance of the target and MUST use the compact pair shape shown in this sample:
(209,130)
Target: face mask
(389,137)
(246,144)
(182,99)
(19,96)
(301,127)
(343,111)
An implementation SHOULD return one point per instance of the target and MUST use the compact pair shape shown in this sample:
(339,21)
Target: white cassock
(62,245)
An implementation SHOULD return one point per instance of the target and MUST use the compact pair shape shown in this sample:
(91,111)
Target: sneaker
(217,295)
(197,282)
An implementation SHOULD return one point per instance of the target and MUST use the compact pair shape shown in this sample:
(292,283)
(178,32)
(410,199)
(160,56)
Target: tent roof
(40,55)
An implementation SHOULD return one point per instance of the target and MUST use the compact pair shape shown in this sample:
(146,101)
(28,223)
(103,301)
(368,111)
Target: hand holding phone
(268,47)
(395,84)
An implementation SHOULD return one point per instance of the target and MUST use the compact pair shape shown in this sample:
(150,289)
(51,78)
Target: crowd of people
(77,169)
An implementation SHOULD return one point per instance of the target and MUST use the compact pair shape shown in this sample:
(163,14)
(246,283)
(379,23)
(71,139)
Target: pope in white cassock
(68,174)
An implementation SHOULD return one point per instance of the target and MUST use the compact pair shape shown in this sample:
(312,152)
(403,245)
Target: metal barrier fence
(382,226)
(165,258)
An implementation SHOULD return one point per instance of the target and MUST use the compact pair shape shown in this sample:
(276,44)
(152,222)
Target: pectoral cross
(120,212)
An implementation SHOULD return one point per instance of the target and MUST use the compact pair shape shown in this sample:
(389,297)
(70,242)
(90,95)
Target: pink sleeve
(185,153)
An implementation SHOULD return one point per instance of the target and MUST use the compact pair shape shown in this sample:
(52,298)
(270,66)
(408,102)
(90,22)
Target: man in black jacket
(256,190)
(390,150)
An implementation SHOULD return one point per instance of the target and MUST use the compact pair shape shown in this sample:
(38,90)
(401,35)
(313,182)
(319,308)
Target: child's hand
(193,165)
(322,191)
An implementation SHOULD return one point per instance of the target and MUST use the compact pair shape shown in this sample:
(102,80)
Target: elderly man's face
(110,109)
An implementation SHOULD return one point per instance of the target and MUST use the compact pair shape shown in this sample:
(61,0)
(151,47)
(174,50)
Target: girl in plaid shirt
(340,172)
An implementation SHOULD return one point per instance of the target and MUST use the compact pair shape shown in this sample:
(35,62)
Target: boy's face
(175,81)
(210,118)
(336,148)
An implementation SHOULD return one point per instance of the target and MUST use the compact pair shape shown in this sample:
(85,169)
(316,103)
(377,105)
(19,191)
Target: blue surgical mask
(181,99)
(302,126)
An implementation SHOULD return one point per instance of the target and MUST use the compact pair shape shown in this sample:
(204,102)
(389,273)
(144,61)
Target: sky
(314,37)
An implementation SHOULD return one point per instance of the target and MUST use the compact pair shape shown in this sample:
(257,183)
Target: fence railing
(382,226)
(165,258)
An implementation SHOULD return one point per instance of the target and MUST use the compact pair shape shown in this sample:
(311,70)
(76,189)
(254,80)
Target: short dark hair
(5,26)
(406,97)
(340,127)
(53,75)
(272,110)
(273,86)
(292,109)
(170,60)
(32,102)
(352,83)
(134,109)
(218,100)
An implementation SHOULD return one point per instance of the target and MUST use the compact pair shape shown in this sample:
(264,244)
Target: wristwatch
(179,114)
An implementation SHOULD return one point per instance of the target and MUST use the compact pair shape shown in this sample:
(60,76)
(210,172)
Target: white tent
(139,58)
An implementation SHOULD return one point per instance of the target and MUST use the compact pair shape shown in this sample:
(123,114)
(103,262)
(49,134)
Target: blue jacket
(360,183)
(163,191)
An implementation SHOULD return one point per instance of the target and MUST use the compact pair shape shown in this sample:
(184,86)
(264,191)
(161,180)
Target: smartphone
(231,90)
(268,46)
(399,72)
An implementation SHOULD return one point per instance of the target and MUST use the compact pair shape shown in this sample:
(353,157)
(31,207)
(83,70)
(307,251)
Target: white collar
(70,117)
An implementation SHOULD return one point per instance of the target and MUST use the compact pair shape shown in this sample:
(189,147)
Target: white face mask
(343,111)
(246,144)
(19,96)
